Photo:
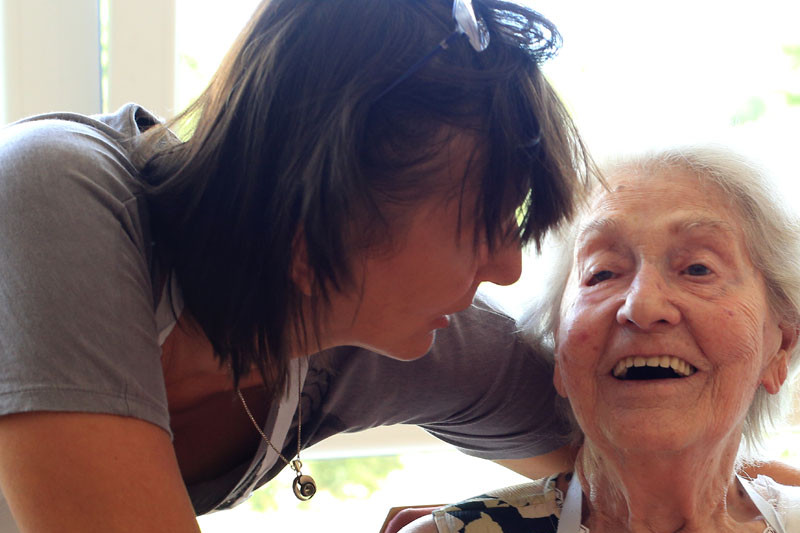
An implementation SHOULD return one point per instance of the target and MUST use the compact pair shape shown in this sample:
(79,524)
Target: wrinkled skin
(661,268)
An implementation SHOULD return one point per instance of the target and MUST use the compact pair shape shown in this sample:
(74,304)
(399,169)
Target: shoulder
(533,506)
(485,335)
(68,175)
(486,328)
(77,316)
(485,314)
(62,151)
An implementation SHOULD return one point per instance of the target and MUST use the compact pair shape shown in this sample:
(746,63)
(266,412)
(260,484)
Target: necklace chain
(264,436)
(304,486)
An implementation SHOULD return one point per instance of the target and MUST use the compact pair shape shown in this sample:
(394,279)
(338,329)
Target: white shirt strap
(570,520)
(767,511)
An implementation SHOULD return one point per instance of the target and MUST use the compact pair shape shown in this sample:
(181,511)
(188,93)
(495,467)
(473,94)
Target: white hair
(772,238)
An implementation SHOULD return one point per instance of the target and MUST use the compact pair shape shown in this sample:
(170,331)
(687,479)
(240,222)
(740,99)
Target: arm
(780,472)
(424,524)
(559,460)
(400,518)
(79,336)
(78,472)
(562,460)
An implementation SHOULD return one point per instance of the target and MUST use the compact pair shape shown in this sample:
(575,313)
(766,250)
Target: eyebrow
(711,224)
(689,224)
(597,226)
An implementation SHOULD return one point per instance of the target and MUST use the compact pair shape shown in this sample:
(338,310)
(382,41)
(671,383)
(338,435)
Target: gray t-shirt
(78,326)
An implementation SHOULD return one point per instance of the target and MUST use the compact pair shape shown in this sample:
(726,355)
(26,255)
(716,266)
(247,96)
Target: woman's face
(431,270)
(662,278)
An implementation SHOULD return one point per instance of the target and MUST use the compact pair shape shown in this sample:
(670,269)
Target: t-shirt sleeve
(77,328)
(480,388)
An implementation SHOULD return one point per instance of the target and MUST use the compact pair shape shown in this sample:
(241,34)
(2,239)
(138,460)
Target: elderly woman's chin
(664,415)
(659,431)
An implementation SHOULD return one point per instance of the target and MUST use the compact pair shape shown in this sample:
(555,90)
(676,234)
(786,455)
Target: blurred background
(634,75)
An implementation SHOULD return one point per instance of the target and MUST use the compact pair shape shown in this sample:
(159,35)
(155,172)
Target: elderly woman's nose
(647,303)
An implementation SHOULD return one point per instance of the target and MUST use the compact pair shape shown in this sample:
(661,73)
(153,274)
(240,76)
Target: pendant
(304,487)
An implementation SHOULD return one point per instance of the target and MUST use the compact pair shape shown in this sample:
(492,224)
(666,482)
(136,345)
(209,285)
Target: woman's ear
(778,368)
(301,273)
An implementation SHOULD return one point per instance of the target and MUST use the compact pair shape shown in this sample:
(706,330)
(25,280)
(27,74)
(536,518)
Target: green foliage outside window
(793,97)
(755,107)
(751,111)
(352,477)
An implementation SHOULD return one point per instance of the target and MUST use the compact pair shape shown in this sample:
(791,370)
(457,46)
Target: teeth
(680,366)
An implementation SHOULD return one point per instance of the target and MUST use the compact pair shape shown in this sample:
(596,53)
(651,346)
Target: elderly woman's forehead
(632,179)
(698,202)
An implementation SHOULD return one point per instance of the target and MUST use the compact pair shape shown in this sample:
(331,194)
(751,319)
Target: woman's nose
(648,302)
(502,262)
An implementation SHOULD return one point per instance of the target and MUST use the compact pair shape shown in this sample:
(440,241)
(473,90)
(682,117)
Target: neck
(665,492)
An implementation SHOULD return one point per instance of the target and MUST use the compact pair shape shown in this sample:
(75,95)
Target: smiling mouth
(658,367)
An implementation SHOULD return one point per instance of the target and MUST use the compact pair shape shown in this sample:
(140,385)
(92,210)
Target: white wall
(50,56)
(141,66)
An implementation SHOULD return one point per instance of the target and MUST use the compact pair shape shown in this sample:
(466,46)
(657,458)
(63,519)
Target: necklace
(303,486)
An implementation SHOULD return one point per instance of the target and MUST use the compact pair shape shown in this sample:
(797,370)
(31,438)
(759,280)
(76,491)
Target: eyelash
(593,279)
(605,275)
(686,270)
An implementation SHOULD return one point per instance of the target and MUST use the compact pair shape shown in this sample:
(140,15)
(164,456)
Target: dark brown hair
(294,137)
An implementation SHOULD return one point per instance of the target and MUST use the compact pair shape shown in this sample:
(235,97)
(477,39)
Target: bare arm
(423,524)
(79,472)
(780,472)
(560,460)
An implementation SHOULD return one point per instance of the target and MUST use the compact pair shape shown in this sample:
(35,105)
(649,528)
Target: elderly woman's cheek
(736,345)
(576,321)
(748,326)
(576,361)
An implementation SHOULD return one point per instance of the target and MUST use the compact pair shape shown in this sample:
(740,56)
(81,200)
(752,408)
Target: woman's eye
(697,270)
(600,276)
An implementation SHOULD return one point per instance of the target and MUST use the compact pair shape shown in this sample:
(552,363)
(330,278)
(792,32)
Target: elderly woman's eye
(599,276)
(697,270)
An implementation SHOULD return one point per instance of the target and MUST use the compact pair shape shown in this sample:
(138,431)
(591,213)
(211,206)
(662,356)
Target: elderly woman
(675,326)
